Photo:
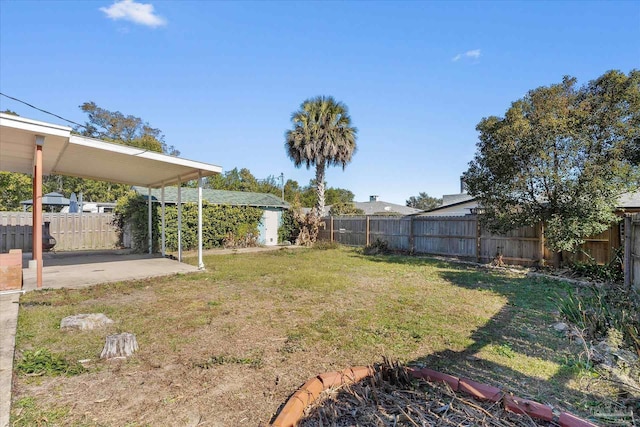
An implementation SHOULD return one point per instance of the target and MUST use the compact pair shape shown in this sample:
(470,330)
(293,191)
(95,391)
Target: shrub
(611,272)
(42,362)
(597,310)
(378,247)
(290,228)
(218,222)
(325,245)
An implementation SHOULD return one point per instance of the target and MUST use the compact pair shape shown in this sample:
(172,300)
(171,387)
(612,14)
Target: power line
(44,111)
(93,132)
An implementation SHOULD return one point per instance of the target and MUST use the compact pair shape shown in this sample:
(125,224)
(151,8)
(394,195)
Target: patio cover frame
(40,148)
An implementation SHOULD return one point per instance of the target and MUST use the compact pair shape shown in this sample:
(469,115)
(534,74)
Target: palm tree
(322,136)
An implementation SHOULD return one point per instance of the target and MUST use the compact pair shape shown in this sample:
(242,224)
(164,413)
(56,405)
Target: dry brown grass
(227,347)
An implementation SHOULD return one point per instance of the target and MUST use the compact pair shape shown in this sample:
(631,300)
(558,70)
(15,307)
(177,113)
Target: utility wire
(93,132)
(44,111)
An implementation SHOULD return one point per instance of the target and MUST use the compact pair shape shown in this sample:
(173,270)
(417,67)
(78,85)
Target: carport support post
(37,210)
(149,222)
(164,245)
(179,221)
(200,263)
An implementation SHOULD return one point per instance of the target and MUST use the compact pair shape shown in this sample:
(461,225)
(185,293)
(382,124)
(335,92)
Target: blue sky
(221,79)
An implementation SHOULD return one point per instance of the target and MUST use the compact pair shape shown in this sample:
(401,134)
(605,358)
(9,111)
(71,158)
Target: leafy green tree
(561,155)
(423,201)
(92,190)
(123,129)
(14,187)
(244,180)
(322,136)
(345,208)
(309,195)
(292,191)
(335,195)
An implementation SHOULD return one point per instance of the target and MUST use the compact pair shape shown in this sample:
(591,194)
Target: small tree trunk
(119,345)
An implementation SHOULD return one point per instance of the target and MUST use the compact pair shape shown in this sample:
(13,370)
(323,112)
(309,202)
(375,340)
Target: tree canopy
(423,201)
(243,180)
(123,129)
(345,208)
(322,136)
(14,187)
(562,155)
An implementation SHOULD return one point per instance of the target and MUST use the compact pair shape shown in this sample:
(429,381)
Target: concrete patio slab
(82,269)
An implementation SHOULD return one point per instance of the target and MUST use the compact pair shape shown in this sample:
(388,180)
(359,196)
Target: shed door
(270,228)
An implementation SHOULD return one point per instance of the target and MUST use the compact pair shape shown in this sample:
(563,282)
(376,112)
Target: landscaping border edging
(293,410)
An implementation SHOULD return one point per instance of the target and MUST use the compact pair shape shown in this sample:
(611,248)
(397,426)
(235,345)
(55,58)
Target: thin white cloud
(473,54)
(139,13)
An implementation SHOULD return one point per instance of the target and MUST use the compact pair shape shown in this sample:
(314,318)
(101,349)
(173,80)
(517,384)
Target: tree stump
(119,346)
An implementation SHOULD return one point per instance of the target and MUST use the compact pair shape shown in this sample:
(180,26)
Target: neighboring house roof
(629,200)
(452,199)
(325,212)
(216,197)
(380,207)
(375,208)
(464,207)
(466,203)
(50,199)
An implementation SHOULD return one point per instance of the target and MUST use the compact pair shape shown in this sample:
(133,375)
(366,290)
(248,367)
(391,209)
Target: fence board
(448,236)
(461,237)
(632,251)
(71,231)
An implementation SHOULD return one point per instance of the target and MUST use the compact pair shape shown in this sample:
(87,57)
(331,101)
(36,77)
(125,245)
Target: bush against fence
(218,222)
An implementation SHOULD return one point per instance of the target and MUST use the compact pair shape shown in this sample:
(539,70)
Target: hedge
(217,222)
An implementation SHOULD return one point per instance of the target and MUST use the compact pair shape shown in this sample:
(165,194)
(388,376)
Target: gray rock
(560,326)
(85,322)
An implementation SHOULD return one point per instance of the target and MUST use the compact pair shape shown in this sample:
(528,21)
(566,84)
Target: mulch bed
(392,397)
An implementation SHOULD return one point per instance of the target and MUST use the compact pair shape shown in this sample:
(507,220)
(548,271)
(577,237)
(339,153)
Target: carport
(40,148)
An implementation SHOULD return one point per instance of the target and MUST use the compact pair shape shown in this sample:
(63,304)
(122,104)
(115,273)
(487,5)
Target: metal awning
(73,155)
(40,148)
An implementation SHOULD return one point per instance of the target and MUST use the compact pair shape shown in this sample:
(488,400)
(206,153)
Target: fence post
(478,237)
(541,247)
(367,232)
(331,228)
(628,227)
(412,246)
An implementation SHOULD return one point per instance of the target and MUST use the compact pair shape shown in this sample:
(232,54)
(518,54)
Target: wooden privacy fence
(632,251)
(71,231)
(461,237)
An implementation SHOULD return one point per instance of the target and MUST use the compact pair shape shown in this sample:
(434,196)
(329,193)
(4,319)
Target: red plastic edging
(293,410)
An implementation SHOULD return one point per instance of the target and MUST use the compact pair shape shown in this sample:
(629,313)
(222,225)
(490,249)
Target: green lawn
(228,346)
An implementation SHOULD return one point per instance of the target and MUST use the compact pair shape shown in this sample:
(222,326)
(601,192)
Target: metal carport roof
(73,155)
(40,148)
